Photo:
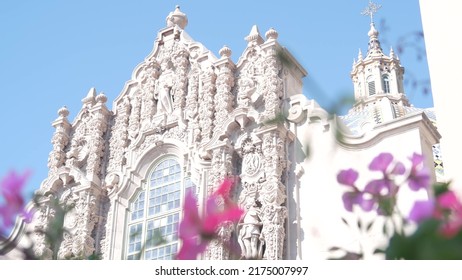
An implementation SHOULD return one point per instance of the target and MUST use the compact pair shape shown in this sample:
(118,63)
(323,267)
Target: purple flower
(419,177)
(376,187)
(347,177)
(398,169)
(356,197)
(381,162)
(422,210)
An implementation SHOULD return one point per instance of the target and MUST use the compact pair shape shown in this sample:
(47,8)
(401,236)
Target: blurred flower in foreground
(382,193)
(445,208)
(11,188)
(195,231)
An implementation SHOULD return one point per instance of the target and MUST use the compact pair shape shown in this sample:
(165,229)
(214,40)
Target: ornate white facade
(187,119)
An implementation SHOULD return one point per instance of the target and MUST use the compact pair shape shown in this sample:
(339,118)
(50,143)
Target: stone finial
(90,98)
(63,112)
(373,32)
(177,18)
(254,36)
(225,51)
(271,34)
(360,56)
(101,98)
(392,53)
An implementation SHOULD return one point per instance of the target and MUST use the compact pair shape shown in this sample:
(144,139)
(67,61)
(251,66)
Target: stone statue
(246,89)
(249,230)
(164,100)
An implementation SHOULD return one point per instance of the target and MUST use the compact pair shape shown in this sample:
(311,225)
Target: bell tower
(378,78)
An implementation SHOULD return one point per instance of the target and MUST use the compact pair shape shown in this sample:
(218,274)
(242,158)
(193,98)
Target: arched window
(155,212)
(371,85)
(386,83)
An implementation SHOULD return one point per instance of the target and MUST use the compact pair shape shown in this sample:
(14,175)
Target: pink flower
(446,208)
(451,212)
(11,187)
(195,231)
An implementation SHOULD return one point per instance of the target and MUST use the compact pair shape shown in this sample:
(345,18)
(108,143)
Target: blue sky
(53,52)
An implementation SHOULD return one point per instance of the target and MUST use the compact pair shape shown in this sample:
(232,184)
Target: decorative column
(119,136)
(225,82)
(135,115)
(273,83)
(98,127)
(57,157)
(192,104)
(147,85)
(180,84)
(80,219)
(43,215)
(218,248)
(252,176)
(206,106)
(273,195)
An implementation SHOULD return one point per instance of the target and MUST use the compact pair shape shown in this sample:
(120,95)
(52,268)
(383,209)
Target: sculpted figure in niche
(249,230)
(246,89)
(164,100)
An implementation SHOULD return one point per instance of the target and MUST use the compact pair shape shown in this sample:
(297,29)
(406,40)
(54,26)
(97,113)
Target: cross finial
(370,10)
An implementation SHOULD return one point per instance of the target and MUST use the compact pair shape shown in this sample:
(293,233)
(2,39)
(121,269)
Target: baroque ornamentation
(147,85)
(249,229)
(42,218)
(273,196)
(224,98)
(206,107)
(134,118)
(108,226)
(96,151)
(193,92)
(77,152)
(182,93)
(222,163)
(119,136)
(79,222)
(57,157)
(273,89)
(180,61)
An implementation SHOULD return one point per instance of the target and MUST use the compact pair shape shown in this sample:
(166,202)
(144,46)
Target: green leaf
(439,188)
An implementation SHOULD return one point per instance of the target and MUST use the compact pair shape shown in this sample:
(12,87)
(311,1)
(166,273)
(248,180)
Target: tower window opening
(371,85)
(386,83)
